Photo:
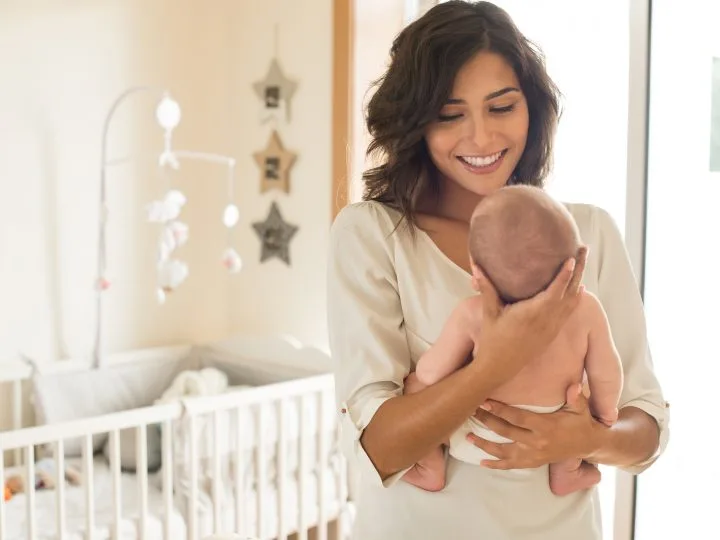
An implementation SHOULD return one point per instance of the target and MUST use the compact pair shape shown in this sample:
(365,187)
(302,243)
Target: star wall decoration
(275,235)
(275,163)
(276,89)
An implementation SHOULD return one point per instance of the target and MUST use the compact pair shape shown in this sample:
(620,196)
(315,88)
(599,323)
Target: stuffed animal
(44,477)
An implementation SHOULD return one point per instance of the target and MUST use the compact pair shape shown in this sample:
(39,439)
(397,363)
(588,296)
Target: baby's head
(520,237)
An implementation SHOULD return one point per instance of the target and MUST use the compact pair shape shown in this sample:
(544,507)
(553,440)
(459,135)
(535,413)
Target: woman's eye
(501,110)
(448,117)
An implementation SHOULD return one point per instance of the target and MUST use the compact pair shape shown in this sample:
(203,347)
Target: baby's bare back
(544,381)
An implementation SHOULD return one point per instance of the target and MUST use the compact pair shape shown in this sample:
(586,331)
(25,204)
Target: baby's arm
(452,348)
(446,355)
(602,365)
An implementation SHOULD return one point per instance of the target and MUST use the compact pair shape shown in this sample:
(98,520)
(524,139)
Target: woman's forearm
(631,440)
(406,428)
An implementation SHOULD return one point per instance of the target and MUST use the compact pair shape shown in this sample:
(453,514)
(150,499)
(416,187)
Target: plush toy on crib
(44,478)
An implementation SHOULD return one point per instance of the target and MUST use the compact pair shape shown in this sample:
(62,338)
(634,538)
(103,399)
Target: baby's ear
(477,276)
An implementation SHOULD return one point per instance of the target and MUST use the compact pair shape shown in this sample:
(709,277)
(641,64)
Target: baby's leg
(572,475)
(429,472)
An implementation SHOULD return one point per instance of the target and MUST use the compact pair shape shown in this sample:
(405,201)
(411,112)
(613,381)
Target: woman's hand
(510,336)
(569,433)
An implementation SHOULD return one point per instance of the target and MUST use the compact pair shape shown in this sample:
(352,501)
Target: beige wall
(271,297)
(63,64)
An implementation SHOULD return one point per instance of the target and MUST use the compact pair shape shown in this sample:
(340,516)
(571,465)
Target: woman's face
(480,134)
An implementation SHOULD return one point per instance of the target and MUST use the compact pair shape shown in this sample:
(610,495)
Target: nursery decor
(276,92)
(171,272)
(275,163)
(275,235)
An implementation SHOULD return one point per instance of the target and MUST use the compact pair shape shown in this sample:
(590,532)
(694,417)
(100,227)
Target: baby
(520,238)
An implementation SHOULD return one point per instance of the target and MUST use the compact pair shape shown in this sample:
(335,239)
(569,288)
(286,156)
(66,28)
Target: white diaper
(464,450)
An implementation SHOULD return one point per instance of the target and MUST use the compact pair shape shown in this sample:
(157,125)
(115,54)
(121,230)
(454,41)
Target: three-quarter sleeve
(365,323)
(620,296)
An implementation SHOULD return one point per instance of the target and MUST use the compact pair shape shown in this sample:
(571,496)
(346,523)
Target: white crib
(260,460)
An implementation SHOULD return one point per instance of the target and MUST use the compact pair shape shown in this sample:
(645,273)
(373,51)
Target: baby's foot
(566,481)
(429,472)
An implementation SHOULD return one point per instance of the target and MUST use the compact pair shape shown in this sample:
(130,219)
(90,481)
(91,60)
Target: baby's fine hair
(520,237)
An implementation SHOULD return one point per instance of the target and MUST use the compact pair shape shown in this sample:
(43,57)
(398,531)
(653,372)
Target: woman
(465,108)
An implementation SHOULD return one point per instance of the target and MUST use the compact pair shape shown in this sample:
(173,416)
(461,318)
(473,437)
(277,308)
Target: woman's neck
(455,202)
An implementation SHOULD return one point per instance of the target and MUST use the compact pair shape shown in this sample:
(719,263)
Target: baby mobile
(275,93)
(171,271)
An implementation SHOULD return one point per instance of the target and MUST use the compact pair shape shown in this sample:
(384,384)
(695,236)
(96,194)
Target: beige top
(389,297)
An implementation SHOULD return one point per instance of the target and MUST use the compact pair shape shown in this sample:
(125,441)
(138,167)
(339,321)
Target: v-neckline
(443,255)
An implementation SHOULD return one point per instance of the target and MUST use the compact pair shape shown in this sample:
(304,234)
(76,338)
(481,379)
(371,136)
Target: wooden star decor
(275,235)
(275,163)
(276,89)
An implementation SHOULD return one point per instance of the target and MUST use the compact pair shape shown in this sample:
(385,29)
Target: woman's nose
(480,131)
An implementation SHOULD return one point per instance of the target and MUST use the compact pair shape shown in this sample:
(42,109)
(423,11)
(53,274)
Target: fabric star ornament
(275,235)
(276,89)
(274,163)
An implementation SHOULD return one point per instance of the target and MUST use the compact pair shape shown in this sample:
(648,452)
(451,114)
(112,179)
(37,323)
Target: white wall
(63,64)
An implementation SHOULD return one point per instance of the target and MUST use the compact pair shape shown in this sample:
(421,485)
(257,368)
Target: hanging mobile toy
(231,215)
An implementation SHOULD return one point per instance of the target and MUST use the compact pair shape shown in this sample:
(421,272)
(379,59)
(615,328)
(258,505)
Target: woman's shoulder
(370,217)
(593,221)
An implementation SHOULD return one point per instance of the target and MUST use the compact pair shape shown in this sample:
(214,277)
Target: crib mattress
(46,509)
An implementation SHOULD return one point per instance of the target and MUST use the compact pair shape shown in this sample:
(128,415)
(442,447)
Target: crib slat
(260,472)
(3,520)
(194,492)
(217,484)
(116,481)
(323,465)
(17,411)
(30,491)
(167,471)
(303,466)
(282,468)
(142,472)
(239,472)
(60,489)
(89,478)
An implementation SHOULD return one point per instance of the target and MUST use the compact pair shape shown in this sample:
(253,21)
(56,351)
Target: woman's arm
(406,428)
(643,433)
(633,439)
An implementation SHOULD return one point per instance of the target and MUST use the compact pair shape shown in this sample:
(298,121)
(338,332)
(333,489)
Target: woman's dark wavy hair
(424,61)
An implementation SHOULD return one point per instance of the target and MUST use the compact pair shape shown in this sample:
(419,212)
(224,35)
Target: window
(677,497)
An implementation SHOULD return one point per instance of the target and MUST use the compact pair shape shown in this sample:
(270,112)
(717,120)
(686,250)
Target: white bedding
(46,509)
(226,440)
